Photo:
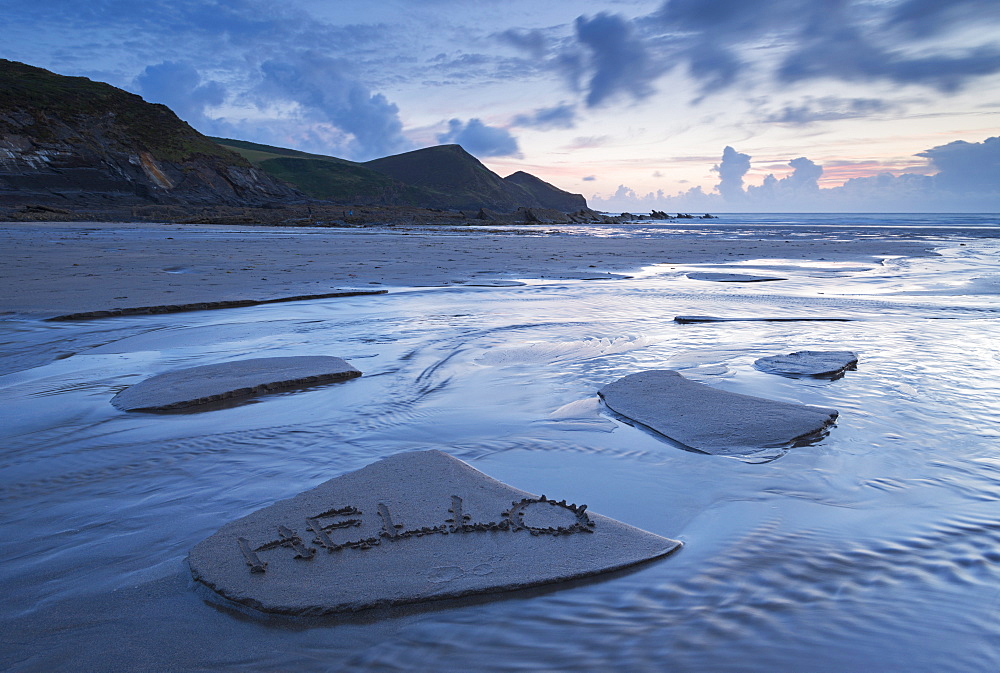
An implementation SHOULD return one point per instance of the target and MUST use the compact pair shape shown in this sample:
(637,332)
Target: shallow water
(874,549)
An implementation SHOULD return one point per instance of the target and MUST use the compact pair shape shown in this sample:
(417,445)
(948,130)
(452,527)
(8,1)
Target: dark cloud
(731,170)
(558,117)
(829,108)
(327,93)
(966,167)
(845,52)
(706,33)
(727,19)
(479,139)
(251,25)
(533,42)
(571,65)
(617,62)
(838,39)
(713,66)
(179,86)
(925,18)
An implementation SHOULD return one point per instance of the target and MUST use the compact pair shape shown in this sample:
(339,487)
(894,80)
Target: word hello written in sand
(459,523)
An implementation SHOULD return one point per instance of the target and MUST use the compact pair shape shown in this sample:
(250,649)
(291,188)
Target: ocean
(875,548)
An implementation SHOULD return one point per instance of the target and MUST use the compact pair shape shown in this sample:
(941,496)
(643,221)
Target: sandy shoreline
(57,268)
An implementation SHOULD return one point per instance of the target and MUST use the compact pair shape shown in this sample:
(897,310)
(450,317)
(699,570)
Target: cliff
(73,142)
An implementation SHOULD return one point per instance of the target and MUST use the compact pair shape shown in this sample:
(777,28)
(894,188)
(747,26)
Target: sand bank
(55,268)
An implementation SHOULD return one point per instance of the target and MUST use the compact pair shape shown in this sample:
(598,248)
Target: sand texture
(52,269)
(413,527)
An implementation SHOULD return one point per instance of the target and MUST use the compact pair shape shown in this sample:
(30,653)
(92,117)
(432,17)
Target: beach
(60,268)
(871,547)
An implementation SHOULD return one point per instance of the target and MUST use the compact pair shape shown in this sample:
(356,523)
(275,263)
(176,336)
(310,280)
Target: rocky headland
(72,149)
(67,143)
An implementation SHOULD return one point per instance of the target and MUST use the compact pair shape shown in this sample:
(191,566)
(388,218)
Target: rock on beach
(819,364)
(731,277)
(689,319)
(412,527)
(194,386)
(710,420)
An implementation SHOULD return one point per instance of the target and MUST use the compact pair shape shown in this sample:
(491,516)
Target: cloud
(479,139)
(925,18)
(725,41)
(713,66)
(968,180)
(327,93)
(805,176)
(828,108)
(966,167)
(179,86)
(618,62)
(590,178)
(802,181)
(558,117)
(588,142)
(186,26)
(530,41)
(846,53)
(706,34)
(731,170)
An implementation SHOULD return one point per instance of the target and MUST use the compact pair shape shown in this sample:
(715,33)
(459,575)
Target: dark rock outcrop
(205,305)
(731,277)
(710,420)
(689,319)
(196,386)
(816,364)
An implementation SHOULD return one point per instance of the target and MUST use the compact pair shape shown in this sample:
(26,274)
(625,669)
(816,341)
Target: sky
(679,105)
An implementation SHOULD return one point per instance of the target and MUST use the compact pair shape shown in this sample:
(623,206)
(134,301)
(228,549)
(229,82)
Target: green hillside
(258,152)
(456,178)
(324,177)
(460,180)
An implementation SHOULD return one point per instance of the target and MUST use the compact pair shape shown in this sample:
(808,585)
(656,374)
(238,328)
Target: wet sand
(57,268)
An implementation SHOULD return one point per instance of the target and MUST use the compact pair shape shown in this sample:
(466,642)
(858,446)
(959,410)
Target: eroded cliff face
(72,142)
